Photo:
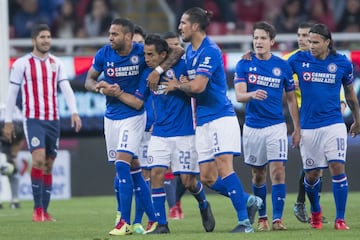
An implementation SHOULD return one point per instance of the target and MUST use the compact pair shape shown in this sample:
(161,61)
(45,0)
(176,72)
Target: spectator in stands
(321,11)
(66,24)
(98,18)
(290,17)
(27,17)
(350,19)
(249,12)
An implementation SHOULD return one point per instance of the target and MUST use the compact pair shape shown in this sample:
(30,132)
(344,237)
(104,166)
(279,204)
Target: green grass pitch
(91,218)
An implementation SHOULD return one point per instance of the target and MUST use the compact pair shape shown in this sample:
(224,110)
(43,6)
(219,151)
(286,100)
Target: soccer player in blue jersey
(217,127)
(323,132)
(122,62)
(260,83)
(172,140)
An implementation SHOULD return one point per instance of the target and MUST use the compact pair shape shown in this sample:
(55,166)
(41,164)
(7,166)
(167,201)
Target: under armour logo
(305,64)
(252,69)
(109,64)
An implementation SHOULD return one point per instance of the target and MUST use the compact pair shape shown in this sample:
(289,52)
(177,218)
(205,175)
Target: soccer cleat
(138,228)
(14,205)
(160,229)
(121,229)
(278,225)
(254,203)
(174,213)
(341,225)
(151,227)
(48,217)
(300,212)
(207,218)
(38,215)
(244,226)
(316,220)
(263,224)
(181,214)
(117,217)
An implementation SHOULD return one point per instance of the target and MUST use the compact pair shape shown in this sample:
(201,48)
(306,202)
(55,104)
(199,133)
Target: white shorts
(143,151)
(263,145)
(177,152)
(124,135)
(221,136)
(322,145)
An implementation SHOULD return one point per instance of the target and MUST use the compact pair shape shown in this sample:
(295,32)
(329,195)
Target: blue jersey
(212,103)
(150,118)
(320,82)
(172,112)
(123,70)
(273,76)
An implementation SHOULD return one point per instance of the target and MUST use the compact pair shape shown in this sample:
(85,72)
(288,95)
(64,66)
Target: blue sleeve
(209,61)
(348,74)
(289,84)
(239,72)
(143,91)
(98,61)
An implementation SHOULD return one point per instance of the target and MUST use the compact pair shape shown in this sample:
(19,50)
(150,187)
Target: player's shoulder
(21,61)
(288,55)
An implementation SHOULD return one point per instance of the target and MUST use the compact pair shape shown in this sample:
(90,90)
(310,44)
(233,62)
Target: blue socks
(235,190)
(312,189)
(261,191)
(159,196)
(278,200)
(340,191)
(125,188)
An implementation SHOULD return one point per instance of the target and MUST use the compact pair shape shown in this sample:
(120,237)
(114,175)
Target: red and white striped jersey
(39,79)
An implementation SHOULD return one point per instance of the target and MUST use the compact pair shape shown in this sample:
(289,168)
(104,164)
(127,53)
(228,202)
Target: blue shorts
(42,134)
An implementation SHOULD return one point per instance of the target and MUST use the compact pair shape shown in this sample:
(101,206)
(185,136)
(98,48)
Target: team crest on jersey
(252,78)
(309,162)
(332,67)
(110,72)
(170,73)
(306,76)
(53,67)
(134,59)
(276,71)
(35,142)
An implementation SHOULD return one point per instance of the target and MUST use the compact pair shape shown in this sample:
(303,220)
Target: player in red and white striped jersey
(39,74)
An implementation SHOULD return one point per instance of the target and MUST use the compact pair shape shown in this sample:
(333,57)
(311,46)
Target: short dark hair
(305,25)
(168,35)
(267,27)
(159,43)
(128,26)
(39,28)
(139,30)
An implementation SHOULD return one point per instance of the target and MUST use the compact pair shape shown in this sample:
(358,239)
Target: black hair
(168,35)
(325,33)
(128,26)
(305,25)
(39,28)
(267,27)
(159,43)
(139,30)
(200,16)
